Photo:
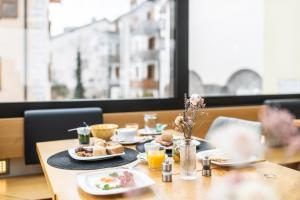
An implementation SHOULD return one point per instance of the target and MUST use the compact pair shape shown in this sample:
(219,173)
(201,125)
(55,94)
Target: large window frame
(16,109)
(181,86)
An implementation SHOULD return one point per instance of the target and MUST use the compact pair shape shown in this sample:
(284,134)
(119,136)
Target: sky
(71,13)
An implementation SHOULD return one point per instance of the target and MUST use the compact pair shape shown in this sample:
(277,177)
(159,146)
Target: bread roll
(99,142)
(99,151)
(167,137)
(116,149)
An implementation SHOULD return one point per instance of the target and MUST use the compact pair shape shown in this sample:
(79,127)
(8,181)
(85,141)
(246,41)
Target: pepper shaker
(167,171)
(206,171)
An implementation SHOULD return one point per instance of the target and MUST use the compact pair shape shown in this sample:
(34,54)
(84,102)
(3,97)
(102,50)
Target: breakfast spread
(115,180)
(100,148)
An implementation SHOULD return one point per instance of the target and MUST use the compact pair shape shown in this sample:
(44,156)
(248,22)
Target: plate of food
(219,158)
(99,151)
(166,140)
(114,181)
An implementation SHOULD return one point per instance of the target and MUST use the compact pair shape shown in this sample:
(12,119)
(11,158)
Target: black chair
(52,124)
(292,105)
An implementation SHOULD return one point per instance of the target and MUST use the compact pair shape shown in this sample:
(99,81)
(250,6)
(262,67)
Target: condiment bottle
(206,171)
(167,171)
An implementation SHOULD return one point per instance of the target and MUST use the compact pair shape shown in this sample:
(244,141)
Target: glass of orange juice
(155,156)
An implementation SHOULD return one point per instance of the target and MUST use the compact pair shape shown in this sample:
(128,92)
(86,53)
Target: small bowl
(103,131)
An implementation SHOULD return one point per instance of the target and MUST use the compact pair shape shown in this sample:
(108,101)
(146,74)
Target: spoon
(86,124)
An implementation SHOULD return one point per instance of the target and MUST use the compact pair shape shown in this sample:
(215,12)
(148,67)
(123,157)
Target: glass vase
(188,160)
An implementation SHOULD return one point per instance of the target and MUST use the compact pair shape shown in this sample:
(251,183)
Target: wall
(225,36)
(12,56)
(282,46)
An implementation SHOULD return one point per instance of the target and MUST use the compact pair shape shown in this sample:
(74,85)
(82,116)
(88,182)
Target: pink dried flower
(196,101)
(278,123)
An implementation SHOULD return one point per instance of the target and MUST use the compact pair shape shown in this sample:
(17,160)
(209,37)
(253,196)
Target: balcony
(114,58)
(145,84)
(146,55)
(145,27)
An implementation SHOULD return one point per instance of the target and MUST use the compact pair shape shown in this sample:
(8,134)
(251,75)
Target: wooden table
(297,122)
(63,183)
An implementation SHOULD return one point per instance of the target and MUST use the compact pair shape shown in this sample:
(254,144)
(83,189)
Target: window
(150,15)
(36,75)
(245,47)
(231,52)
(151,43)
(67,46)
(150,71)
(117,72)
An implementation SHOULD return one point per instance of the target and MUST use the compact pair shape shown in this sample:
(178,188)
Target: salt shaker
(206,171)
(167,171)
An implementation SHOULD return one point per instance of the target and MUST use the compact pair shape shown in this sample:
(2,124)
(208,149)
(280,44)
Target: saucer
(148,132)
(132,141)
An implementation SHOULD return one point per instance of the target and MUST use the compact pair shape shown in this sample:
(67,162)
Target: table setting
(121,161)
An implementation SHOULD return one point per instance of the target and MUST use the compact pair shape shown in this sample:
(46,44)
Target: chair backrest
(52,124)
(292,105)
(223,122)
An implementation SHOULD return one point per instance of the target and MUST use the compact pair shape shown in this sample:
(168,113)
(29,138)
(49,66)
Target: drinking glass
(83,136)
(150,121)
(156,159)
(151,147)
(155,156)
(188,160)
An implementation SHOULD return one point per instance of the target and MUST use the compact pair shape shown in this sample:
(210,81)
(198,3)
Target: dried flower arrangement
(185,122)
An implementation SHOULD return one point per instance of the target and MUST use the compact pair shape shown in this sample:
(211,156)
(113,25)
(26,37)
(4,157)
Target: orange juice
(155,159)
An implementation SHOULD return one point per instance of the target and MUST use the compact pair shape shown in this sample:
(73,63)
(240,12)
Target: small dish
(73,155)
(148,132)
(88,181)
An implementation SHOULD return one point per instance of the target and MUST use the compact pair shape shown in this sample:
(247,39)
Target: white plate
(216,152)
(73,155)
(196,142)
(148,132)
(87,182)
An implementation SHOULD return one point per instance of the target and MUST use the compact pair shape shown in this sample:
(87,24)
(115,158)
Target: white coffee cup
(126,134)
